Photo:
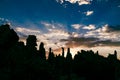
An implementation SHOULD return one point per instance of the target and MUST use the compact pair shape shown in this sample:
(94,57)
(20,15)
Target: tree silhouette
(42,51)
(31,49)
(69,56)
(63,52)
(51,56)
(31,41)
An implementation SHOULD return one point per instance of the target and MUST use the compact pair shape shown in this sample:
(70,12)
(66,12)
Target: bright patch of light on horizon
(100,49)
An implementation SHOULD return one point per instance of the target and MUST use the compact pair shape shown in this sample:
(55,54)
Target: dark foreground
(25,62)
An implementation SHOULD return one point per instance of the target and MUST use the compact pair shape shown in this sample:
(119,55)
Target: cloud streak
(51,38)
(94,37)
(89,27)
(4,21)
(106,32)
(89,42)
(88,13)
(57,36)
(80,2)
(76,26)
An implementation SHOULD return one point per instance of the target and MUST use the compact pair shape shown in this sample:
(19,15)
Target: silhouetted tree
(42,51)
(51,56)
(8,39)
(69,56)
(63,52)
(31,41)
(31,49)
(68,65)
(115,54)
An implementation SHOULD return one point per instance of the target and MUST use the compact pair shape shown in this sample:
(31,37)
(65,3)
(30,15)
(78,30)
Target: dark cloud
(89,42)
(75,41)
(107,43)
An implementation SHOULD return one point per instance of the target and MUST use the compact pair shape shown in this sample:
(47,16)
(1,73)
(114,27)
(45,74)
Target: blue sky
(79,24)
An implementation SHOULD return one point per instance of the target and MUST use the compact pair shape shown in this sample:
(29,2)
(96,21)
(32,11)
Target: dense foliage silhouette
(25,62)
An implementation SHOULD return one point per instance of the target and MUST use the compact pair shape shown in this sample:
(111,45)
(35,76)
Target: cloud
(106,32)
(75,34)
(89,42)
(88,13)
(80,2)
(95,37)
(60,1)
(89,27)
(55,32)
(76,26)
(83,2)
(27,31)
(57,36)
(51,38)
(1,19)
(79,41)
(4,21)
(48,25)
(52,25)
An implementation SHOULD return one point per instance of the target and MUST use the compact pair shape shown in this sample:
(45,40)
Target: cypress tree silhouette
(31,46)
(115,54)
(31,41)
(42,51)
(69,56)
(63,52)
(51,56)
(68,65)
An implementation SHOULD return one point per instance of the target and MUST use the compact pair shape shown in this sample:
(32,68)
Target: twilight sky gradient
(78,24)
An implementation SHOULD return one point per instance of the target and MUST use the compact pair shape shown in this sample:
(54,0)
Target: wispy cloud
(104,36)
(80,2)
(4,21)
(56,32)
(57,36)
(106,32)
(48,25)
(89,42)
(60,1)
(76,26)
(24,32)
(51,38)
(89,27)
(88,13)
(27,31)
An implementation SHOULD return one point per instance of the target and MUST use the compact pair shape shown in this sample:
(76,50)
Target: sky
(78,24)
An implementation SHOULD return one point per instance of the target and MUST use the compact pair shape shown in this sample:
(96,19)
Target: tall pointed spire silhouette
(63,52)
(69,56)
(42,51)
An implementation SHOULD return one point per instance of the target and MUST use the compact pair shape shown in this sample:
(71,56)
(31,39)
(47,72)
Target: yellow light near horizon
(104,51)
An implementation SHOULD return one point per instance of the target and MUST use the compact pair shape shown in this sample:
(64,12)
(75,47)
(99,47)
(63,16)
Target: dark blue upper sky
(21,11)
(66,23)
